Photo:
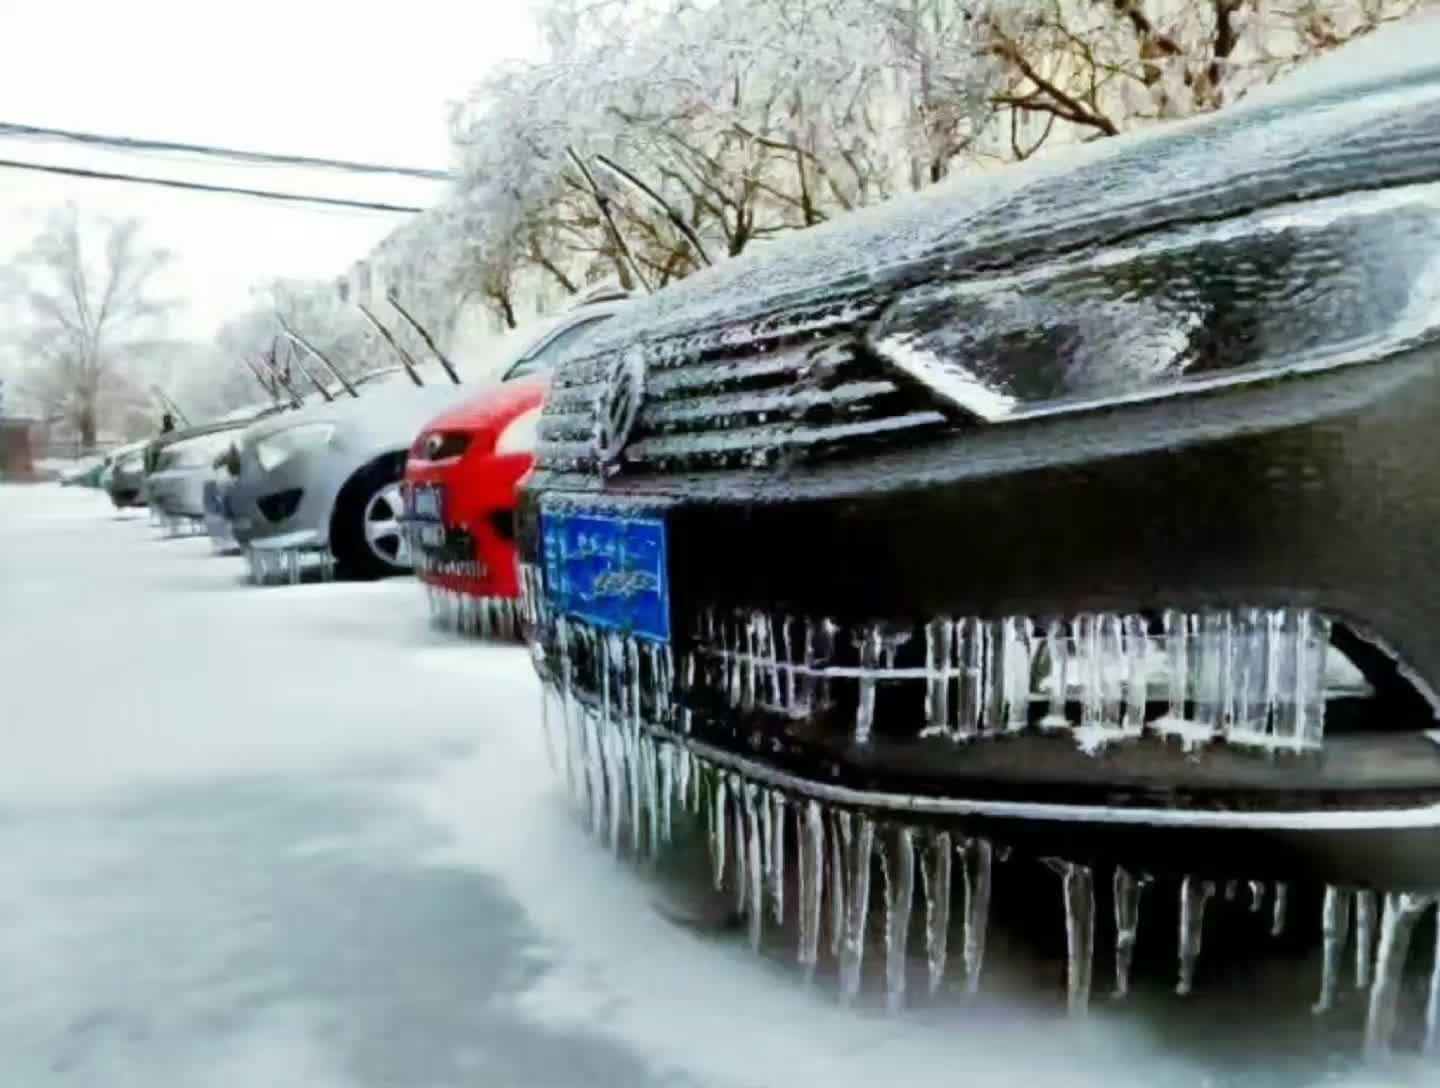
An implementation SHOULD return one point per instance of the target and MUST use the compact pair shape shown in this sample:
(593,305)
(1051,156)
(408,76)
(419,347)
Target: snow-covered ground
(291,836)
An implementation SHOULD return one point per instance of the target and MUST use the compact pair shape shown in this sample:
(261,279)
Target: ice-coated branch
(603,203)
(424,333)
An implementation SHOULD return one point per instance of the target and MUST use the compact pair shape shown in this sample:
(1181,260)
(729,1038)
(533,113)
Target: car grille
(798,387)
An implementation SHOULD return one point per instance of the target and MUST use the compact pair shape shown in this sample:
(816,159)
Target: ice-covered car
(180,469)
(324,480)
(1096,500)
(462,471)
(85,474)
(123,477)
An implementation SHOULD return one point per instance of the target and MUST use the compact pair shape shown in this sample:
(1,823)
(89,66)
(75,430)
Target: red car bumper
(471,548)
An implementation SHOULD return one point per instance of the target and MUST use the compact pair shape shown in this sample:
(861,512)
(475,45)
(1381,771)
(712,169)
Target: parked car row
(402,469)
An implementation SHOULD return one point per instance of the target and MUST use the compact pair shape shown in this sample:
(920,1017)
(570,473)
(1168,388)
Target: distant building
(17,456)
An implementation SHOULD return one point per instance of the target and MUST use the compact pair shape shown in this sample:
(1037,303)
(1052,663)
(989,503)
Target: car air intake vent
(733,399)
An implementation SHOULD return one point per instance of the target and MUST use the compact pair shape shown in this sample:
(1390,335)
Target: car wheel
(366,534)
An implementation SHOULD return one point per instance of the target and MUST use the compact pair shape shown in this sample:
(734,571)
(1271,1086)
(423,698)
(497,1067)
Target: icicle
(767,837)
(1078,889)
(653,792)
(935,879)
(976,666)
(1177,627)
(852,949)
(1017,637)
(1277,917)
(811,833)
(666,791)
(1257,896)
(1397,926)
(765,647)
(899,903)
(1212,671)
(616,773)
(689,781)
(1365,916)
(839,881)
(755,866)
(788,659)
(745,646)
(1194,894)
(870,643)
(1431,1045)
(1127,894)
(976,863)
(777,858)
(1137,677)
(1057,649)
(719,818)
(1335,931)
(1310,652)
(1088,661)
(939,655)
(740,810)
(598,775)
(1247,722)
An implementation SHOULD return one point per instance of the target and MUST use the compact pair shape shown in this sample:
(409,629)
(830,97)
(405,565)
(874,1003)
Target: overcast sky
(307,77)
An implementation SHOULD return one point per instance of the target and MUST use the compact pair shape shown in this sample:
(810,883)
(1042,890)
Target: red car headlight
(440,445)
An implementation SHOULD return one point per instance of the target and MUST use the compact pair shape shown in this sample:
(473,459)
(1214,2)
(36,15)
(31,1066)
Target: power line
(128,143)
(176,183)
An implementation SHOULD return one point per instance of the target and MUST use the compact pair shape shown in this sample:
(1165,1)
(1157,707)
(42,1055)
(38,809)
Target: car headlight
(1302,287)
(521,435)
(274,450)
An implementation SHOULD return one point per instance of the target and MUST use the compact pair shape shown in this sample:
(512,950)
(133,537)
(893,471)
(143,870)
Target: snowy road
(290,836)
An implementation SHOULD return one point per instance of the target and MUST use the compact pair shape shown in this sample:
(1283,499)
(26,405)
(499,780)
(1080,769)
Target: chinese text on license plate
(608,569)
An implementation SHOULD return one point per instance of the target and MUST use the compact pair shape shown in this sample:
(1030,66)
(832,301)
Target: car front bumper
(1319,493)
(467,551)
(307,528)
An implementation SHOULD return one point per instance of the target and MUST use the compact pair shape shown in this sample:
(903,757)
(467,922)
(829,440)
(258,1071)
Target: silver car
(124,475)
(324,480)
(175,487)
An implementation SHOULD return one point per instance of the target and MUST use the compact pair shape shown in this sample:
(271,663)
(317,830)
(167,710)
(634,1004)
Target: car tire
(365,536)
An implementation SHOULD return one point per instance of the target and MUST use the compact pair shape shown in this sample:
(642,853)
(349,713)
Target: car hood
(492,409)
(1367,117)
(399,411)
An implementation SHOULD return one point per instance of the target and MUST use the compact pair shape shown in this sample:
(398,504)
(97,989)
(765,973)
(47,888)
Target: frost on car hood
(1371,118)
(390,407)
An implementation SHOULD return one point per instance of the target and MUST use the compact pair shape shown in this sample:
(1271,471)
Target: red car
(461,475)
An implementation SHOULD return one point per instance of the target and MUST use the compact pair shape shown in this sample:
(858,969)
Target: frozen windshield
(541,359)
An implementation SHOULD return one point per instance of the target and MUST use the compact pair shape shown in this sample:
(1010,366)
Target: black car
(1093,503)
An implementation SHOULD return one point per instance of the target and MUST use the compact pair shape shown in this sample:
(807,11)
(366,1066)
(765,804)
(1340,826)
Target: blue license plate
(609,570)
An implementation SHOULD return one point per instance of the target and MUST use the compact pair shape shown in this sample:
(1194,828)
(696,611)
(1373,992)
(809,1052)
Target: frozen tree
(90,314)
(750,119)
(1076,69)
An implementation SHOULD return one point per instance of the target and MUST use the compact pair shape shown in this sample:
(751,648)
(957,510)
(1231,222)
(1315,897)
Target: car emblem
(619,406)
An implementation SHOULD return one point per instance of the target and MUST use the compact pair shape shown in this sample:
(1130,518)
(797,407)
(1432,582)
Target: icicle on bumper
(857,876)
(289,566)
